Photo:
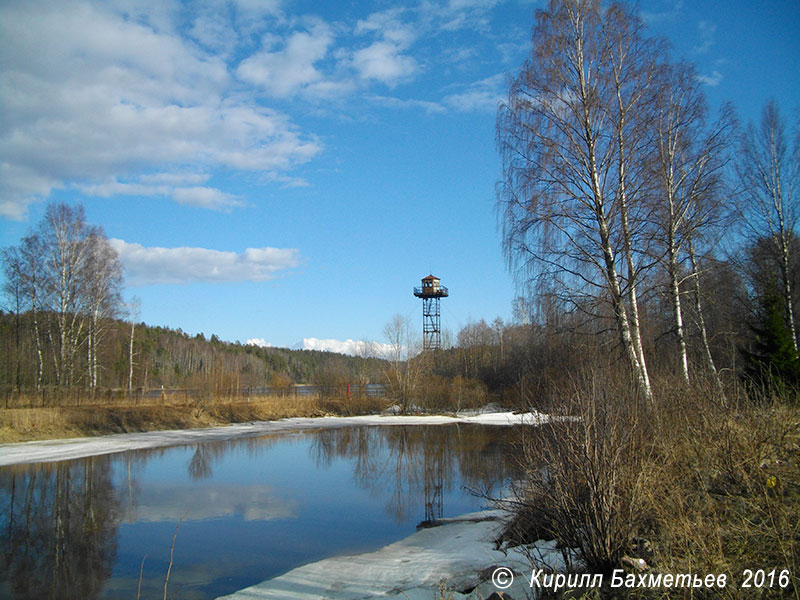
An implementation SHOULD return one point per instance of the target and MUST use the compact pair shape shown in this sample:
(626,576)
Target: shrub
(691,483)
(586,476)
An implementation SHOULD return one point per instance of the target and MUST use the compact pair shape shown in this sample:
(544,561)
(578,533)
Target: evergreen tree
(772,363)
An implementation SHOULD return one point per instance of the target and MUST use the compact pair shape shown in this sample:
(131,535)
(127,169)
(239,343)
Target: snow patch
(461,553)
(67,449)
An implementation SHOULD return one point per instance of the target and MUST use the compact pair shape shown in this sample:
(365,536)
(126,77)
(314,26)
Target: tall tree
(65,259)
(406,363)
(569,135)
(635,67)
(687,170)
(30,252)
(133,310)
(769,172)
(71,278)
(772,363)
(104,299)
(14,292)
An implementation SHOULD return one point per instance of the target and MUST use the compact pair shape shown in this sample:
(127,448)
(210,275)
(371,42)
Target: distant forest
(174,359)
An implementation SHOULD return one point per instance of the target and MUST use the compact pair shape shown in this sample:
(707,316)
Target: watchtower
(431,292)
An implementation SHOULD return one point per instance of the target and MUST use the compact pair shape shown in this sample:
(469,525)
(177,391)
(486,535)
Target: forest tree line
(176,360)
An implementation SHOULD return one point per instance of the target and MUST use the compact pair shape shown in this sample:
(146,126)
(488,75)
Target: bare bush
(587,473)
(690,484)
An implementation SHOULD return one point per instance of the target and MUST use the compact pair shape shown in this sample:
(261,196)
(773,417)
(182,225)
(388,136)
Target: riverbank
(454,560)
(21,424)
(66,449)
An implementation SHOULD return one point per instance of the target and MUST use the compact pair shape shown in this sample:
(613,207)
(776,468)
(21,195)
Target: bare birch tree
(636,65)
(71,278)
(406,363)
(769,173)
(567,134)
(687,169)
(103,289)
(133,310)
(65,260)
(30,253)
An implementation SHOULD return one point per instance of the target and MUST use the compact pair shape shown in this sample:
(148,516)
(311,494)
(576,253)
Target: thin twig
(141,572)
(171,555)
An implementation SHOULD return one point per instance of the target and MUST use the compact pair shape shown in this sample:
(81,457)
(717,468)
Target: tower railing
(421,292)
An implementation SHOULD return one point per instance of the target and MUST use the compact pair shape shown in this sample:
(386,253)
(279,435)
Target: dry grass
(728,497)
(24,424)
(691,484)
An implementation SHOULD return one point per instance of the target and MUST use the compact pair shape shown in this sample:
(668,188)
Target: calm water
(245,510)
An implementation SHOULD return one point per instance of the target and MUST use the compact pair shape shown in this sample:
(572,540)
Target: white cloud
(483,95)
(19,187)
(390,25)
(712,80)
(260,342)
(92,93)
(113,187)
(669,13)
(206,197)
(154,265)
(471,4)
(429,107)
(291,69)
(329,345)
(167,185)
(348,346)
(458,14)
(706,31)
(97,95)
(174,179)
(480,96)
(384,61)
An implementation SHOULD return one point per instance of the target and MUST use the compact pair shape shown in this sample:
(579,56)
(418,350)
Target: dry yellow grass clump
(692,482)
(24,424)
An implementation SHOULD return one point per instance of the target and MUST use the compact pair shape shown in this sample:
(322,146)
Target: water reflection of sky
(164,502)
(248,509)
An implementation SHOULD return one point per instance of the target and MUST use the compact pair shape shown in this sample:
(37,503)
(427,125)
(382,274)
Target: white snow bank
(55,450)
(461,553)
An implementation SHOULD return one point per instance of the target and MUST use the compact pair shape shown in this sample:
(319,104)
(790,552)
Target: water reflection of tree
(61,528)
(201,465)
(419,462)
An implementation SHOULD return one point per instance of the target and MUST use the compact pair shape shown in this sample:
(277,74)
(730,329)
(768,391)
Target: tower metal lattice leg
(431,324)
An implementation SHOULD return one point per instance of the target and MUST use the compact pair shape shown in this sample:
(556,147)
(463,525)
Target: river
(239,511)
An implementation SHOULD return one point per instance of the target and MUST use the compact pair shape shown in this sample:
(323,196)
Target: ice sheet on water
(55,450)
(456,553)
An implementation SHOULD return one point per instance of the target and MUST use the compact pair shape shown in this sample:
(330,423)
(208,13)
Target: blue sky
(287,170)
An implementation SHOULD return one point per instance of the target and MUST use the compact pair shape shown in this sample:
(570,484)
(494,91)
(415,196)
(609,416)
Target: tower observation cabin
(431,292)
